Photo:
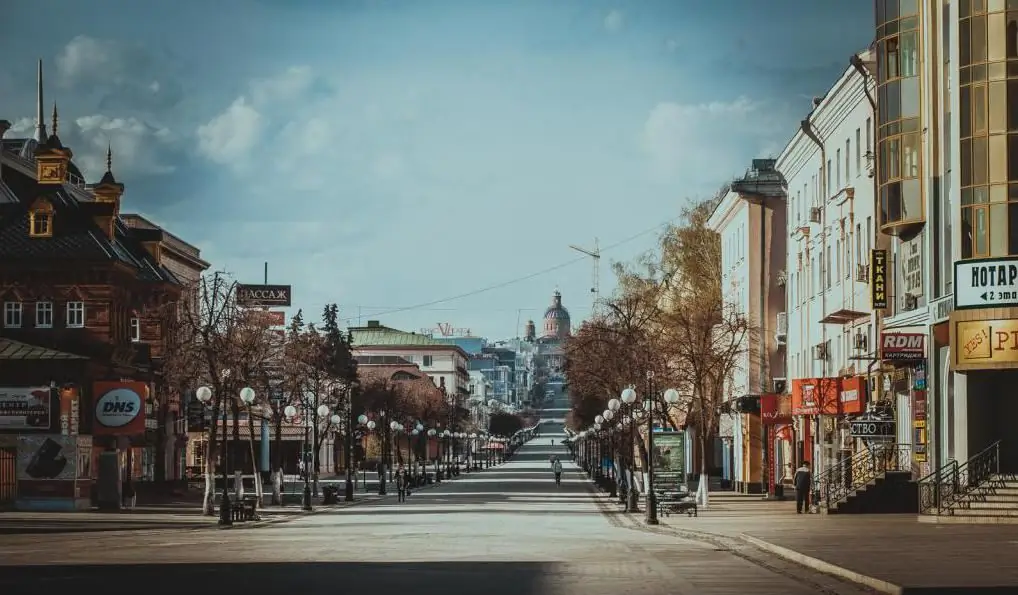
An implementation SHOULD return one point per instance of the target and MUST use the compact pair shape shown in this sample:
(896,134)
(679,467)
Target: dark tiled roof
(15,350)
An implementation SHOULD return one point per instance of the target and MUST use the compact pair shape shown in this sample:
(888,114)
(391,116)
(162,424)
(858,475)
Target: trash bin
(330,495)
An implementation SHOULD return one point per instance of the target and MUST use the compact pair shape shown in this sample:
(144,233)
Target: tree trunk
(238,478)
(277,463)
(161,434)
(704,488)
(254,460)
(208,500)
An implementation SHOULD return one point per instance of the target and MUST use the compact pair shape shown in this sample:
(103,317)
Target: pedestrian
(401,480)
(803,481)
(556,467)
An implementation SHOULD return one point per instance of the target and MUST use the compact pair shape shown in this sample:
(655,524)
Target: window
(837,170)
(858,151)
(848,163)
(837,262)
(829,193)
(848,254)
(827,269)
(44,314)
(858,243)
(12,314)
(427,360)
(40,223)
(135,329)
(75,314)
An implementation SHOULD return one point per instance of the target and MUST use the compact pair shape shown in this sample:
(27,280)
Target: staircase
(971,492)
(877,480)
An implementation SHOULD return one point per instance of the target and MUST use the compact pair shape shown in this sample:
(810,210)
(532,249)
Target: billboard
(669,458)
(25,408)
(263,296)
(47,457)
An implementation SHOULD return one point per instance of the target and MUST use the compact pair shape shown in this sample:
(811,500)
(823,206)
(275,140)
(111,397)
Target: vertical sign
(919,439)
(878,278)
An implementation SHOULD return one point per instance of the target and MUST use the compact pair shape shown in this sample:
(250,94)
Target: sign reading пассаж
(986,282)
(263,295)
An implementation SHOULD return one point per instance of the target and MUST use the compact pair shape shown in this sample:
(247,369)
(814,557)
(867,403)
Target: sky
(385,154)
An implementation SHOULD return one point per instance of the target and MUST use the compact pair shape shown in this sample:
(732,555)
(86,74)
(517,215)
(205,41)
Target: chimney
(5,125)
(373,324)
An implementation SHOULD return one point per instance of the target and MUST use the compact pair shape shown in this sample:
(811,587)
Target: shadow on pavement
(419,578)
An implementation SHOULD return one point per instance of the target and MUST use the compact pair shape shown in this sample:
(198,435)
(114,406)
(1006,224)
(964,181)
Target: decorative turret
(108,193)
(52,157)
(530,335)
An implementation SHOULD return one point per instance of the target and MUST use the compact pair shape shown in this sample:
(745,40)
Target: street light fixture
(438,474)
(204,395)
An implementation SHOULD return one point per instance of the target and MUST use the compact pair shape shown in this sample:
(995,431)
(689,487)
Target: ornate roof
(556,310)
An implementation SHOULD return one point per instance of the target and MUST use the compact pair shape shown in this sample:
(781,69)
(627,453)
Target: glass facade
(988,126)
(898,125)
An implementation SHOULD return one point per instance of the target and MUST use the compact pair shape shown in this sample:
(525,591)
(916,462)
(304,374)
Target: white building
(750,218)
(832,221)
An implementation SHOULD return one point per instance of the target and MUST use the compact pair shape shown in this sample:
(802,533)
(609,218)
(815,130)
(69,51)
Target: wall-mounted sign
(119,408)
(986,282)
(903,346)
(873,428)
(878,278)
(267,318)
(775,409)
(919,439)
(910,255)
(263,295)
(985,341)
(446,329)
(25,408)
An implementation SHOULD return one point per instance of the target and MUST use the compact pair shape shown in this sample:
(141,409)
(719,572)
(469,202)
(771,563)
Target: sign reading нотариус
(986,282)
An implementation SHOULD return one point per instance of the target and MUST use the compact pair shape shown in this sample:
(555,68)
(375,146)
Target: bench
(677,502)
(245,510)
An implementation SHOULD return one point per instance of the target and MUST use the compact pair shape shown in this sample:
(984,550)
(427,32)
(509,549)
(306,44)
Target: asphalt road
(507,530)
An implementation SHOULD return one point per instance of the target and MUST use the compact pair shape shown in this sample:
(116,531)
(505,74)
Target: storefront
(776,415)
(819,410)
(904,357)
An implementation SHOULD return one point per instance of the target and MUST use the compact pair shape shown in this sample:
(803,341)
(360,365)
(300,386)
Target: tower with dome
(550,358)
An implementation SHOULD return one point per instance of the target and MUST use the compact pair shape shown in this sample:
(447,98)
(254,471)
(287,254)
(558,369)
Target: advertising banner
(670,459)
(47,457)
(70,411)
(25,408)
(119,408)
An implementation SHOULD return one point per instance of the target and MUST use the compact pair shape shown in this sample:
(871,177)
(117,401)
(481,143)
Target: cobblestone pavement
(507,530)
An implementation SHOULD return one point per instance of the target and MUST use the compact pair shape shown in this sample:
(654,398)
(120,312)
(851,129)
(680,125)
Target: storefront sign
(871,428)
(903,346)
(986,282)
(919,446)
(826,396)
(986,341)
(69,411)
(119,408)
(910,255)
(878,278)
(776,409)
(25,408)
(263,295)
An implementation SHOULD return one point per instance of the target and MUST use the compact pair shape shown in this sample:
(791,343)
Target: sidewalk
(888,553)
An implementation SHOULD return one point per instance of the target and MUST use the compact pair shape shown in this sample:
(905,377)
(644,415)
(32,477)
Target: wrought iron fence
(941,491)
(837,482)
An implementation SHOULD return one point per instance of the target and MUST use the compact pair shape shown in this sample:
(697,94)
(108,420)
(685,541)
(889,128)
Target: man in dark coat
(803,481)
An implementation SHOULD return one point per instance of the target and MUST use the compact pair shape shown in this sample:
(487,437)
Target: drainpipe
(878,317)
(807,129)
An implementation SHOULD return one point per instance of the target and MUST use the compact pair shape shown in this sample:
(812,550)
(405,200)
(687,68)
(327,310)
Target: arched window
(40,220)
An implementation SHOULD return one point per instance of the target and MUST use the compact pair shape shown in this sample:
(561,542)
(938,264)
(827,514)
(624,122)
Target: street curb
(822,566)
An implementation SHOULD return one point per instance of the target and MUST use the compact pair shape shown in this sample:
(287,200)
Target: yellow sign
(878,279)
(986,341)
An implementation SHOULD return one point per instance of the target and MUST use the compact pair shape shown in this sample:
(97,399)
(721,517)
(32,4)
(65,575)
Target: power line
(516,280)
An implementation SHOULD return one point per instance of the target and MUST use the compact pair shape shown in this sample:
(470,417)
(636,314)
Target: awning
(15,350)
(844,316)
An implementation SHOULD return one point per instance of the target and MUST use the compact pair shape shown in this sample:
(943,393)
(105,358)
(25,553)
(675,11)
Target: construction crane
(595,256)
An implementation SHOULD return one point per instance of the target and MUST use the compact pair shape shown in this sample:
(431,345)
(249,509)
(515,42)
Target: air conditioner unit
(862,273)
(778,385)
(911,302)
(860,341)
(820,351)
(782,325)
(814,214)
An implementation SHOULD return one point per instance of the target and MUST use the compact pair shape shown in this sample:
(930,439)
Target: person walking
(556,467)
(803,481)
(401,481)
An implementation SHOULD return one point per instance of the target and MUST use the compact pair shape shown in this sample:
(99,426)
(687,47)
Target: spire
(109,158)
(56,118)
(40,122)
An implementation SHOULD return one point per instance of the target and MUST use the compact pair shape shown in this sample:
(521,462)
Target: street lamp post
(438,451)
(204,395)
(629,398)
(291,412)
(247,396)
(322,411)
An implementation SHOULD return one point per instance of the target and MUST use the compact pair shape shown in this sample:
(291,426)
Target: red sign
(119,408)
(903,346)
(776,409)
(266,317)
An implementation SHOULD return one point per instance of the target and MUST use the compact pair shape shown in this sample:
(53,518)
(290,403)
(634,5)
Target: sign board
(47,457)
(981,342)
(776,409)
(903,346)
(670,458)
(25,408)
(263,296)
(878,279)
(986,282)
(119,408)
(267,318)
(873,428)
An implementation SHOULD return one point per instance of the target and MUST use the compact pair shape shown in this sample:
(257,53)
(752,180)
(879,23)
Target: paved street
(508,530)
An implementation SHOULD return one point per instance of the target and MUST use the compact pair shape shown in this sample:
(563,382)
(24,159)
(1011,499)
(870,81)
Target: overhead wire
(551,269)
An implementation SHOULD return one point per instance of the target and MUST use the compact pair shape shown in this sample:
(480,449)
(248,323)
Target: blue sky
(386,153)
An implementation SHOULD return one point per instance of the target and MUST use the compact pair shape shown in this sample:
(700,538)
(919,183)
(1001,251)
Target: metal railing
(840,480)
(942,491)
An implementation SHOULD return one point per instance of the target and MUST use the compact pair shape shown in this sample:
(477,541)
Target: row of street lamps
(446,437)
(605,438)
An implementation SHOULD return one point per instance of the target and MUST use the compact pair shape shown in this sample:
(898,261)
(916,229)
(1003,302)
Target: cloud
(614,20)
(117,75)
(707,138)
(229,137)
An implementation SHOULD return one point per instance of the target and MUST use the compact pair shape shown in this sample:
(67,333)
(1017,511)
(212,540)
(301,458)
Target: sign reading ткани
(263,295)
(986,282)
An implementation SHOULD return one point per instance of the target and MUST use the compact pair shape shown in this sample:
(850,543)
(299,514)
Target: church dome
(556,318)
(556,311)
